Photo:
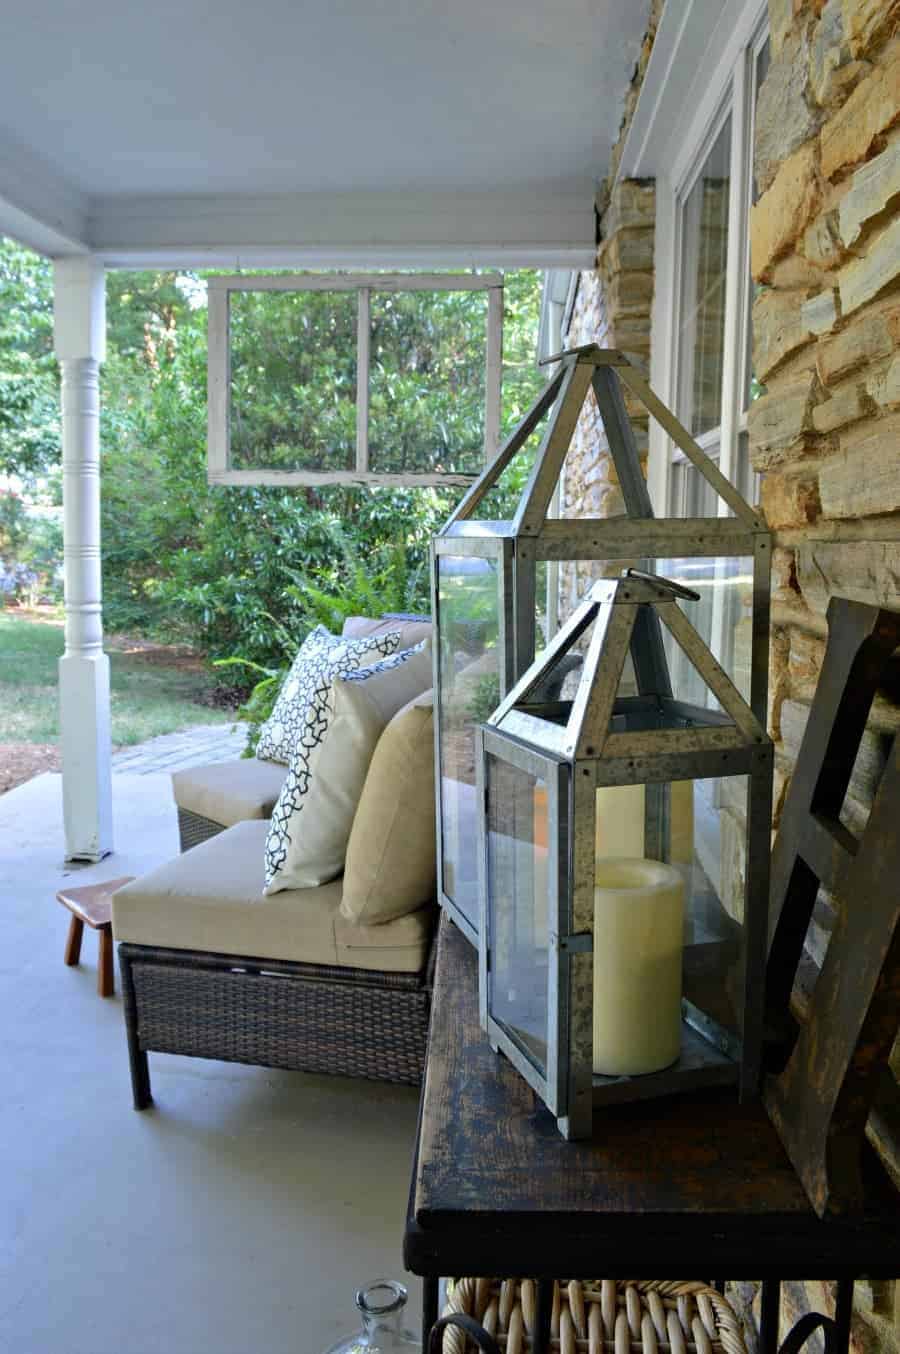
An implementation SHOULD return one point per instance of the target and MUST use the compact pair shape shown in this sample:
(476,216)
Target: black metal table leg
(843,1312)
(770,1311)
(835,1330)
(543,1316)
(430,1288)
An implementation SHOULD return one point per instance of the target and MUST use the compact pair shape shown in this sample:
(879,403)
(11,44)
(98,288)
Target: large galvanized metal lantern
(494,558)
(623,855)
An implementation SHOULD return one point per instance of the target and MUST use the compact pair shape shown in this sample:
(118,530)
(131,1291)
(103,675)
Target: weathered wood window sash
(220,465)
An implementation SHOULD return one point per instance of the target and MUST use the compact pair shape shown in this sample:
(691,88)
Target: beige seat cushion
(391,855)
(230,792)
(211,899)
(365,627)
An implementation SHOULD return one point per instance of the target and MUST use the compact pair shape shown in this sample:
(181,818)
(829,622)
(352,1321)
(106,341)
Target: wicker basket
(592,1316)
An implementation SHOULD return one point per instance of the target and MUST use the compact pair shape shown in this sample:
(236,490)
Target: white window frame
(220,289)
(729,89)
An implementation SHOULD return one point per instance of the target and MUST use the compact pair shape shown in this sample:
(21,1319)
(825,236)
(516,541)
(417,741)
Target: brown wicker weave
(629,1316)
(193,829)
(303,1017)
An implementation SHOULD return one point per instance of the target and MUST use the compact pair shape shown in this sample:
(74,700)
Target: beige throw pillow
(366,627)
(312,819)
(390,869)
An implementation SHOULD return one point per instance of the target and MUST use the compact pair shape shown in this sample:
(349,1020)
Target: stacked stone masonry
(825,432)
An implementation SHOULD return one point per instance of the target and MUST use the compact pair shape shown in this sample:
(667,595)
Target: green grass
(149,696)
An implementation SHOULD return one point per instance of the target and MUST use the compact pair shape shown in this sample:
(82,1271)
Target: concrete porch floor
(237,1216)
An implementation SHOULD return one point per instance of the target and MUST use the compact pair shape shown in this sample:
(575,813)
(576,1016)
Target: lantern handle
(676,589)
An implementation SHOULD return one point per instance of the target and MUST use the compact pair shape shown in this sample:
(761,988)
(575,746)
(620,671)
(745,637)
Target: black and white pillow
(322,656)
(312,820)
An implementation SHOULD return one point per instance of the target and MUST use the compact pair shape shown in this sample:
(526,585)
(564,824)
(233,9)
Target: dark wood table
(694,1184)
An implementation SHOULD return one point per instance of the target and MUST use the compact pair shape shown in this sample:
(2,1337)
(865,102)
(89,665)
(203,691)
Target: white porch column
(80,341)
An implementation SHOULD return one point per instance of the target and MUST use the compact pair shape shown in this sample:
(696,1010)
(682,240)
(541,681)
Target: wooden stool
(92,904)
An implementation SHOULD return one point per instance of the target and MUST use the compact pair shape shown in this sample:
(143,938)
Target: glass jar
(381,1305)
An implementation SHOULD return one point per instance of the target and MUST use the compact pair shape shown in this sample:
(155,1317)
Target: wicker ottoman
(641,1315)
(212,798)
(211,968)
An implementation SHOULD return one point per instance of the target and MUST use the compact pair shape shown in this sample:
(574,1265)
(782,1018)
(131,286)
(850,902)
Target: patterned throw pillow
(311,823)
(322,656)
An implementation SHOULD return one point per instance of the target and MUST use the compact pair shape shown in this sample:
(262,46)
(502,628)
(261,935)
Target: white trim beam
(694,40)
(543,227)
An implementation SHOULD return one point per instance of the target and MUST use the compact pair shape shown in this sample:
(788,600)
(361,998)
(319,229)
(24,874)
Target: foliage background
(234,571)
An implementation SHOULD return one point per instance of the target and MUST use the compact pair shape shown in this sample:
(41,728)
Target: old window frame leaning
(220,289)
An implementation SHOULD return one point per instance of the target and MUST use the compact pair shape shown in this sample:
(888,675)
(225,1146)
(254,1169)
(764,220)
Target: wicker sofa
(213,968)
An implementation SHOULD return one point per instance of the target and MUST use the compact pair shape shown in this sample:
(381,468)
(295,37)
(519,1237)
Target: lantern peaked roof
(626,617)
(603,370)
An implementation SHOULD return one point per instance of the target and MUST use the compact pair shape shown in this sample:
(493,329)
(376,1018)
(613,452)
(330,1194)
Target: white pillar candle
(638,941)
(619,821)
(619,825)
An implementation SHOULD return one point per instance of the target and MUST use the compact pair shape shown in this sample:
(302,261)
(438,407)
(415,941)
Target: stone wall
(825,434)
(825,251)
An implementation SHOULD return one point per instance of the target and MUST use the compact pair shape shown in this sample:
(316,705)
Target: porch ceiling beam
(541,227)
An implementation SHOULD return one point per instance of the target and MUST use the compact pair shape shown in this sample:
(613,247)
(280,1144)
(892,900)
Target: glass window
(752,386)
(388,378)
(293,380)
(704,257)
(427,381)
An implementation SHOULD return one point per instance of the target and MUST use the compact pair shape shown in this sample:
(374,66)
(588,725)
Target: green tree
(29,382)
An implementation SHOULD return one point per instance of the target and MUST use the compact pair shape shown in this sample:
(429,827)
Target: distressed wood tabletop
(693,1183)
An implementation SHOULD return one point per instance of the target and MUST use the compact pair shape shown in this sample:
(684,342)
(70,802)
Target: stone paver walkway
(197,746)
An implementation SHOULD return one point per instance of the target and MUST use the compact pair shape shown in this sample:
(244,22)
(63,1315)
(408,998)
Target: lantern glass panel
(469,673)
(699,827)
(517,854)
(714,872)
(722,618)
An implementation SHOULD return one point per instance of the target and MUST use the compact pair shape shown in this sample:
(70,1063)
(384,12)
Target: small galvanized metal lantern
(487,573)
(623,851)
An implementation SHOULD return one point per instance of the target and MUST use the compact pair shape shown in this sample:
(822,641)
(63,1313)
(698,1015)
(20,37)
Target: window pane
(427,381)
(293,380)
(704,253)
(753,388)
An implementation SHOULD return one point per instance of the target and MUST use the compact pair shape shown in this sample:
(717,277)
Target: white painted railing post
(80,342)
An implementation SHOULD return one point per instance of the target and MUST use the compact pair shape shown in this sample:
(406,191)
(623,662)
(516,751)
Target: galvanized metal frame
(732,743)
(219,467)
(637,537)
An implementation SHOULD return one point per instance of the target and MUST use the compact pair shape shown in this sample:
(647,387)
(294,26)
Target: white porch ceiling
(354,126)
